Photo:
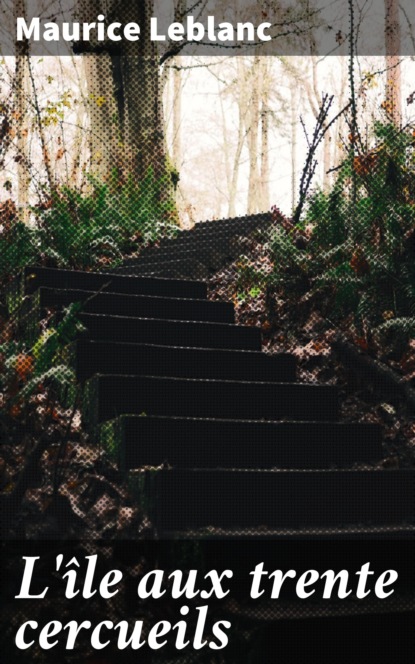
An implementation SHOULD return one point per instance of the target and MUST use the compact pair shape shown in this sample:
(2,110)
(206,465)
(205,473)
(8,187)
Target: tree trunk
(393,48)
(233,189)
(177,118)
(265,115)
(141,104)
(252,130)
(104,128)
(179,13)
(294,143)
(100,102)
(341,127)
(125,95)
(20,118)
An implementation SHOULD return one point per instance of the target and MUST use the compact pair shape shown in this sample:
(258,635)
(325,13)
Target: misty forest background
(228,129)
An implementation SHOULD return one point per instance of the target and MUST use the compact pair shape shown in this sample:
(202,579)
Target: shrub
(89,230)
(352,255)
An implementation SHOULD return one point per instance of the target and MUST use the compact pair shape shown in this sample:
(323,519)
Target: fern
(61,376)
(47,348)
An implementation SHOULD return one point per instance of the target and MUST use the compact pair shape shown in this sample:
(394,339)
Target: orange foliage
(365,164)
(24,366)
(15,411)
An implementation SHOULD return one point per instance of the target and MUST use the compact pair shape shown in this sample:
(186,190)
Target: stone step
(196,249)
(211,258)
(174,269)
(260,535)
(259,219)
(140,306)
(171,332)
(178,499)
(102,357)
(33,278)
(210,233)
(134,442)
(202,250)
(347,548)
(333,640)
(107,397)
(202,258)
(320,549)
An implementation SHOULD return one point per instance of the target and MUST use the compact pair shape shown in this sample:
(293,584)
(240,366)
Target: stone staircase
(198,253)
(220,443)
(171,383)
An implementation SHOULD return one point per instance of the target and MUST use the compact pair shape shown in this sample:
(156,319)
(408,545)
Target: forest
(103,154)
(117,143)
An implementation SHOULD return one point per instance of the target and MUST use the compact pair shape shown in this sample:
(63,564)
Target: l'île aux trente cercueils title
(189,30)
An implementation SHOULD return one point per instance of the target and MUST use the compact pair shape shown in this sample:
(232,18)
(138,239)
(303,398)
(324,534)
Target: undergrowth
(90,230)
(351,258)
